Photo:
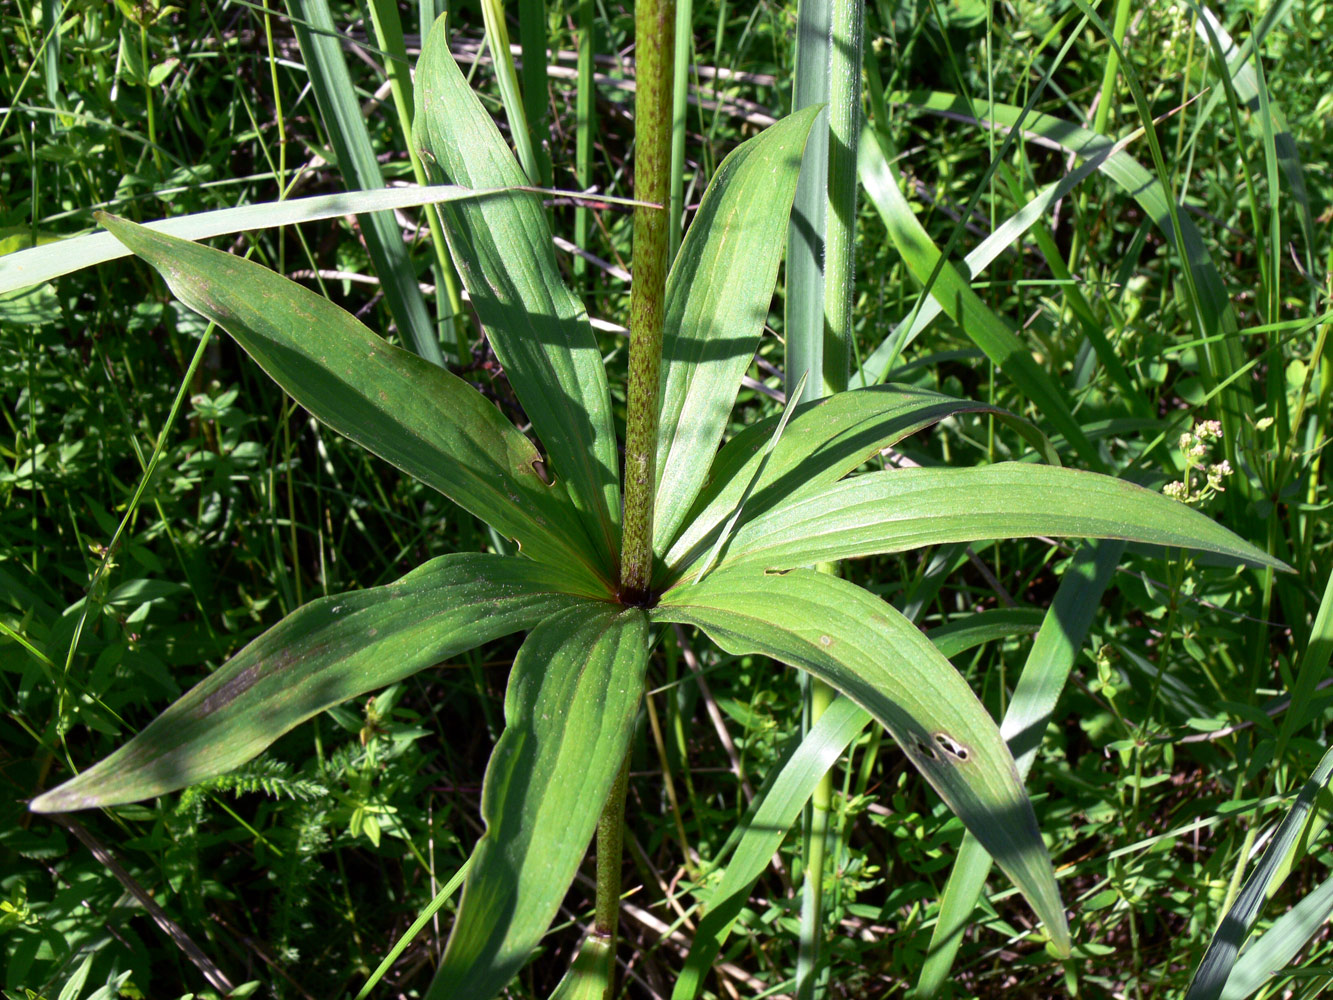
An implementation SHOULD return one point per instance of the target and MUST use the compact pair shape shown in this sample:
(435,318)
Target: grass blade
(320,655)
(1280,943)
(502,57)
(51,260)
(1311,670)
(877,365)
(1218,962)
(766,826)
(963,305)
(1043,678)
(804,326)
(532,41)
(1241,66)
(346,127)
(584,119)
(680,88)
(418,925)
(1121,168)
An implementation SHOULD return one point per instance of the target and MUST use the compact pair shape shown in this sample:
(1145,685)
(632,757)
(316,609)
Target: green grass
(1171,753)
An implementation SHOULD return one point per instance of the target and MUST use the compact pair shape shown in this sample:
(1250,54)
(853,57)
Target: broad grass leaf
(718,296)
(427,422)
(320,655)
(902,509)
(867,650)
(824,441)
(537,327)
(573,695)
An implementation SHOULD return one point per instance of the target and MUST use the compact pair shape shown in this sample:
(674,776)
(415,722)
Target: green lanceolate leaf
(592,972)
(824,441)
(717,300)
(321,654)
(569,713)
(964,306)
(864,648)
(537,327)
(905,509)
(427,422)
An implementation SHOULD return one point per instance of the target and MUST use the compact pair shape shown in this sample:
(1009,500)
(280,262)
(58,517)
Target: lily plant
(695,531)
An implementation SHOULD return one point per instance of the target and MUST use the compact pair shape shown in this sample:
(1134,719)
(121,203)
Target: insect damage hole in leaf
(951,746)
(924,748)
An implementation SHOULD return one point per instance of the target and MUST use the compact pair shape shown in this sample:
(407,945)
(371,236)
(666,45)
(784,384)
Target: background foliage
(1172,753)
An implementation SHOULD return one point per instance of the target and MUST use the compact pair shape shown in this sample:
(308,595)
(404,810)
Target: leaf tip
(61,800)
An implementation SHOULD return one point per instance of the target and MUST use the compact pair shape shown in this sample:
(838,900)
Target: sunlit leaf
(536,326)
(429,423)
(717,300)
(569,713)
(865,649)
(903,509)
(320,655)
(825,440)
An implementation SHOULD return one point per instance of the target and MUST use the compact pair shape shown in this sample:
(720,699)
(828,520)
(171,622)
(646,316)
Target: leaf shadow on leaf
(545,327)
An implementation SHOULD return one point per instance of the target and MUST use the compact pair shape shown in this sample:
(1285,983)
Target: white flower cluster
(1203,479)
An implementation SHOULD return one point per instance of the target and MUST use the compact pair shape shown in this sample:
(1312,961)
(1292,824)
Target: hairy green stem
(654,27)
(610,843)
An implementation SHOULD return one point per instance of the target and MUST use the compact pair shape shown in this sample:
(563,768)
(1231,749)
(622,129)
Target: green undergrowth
(1173,752)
